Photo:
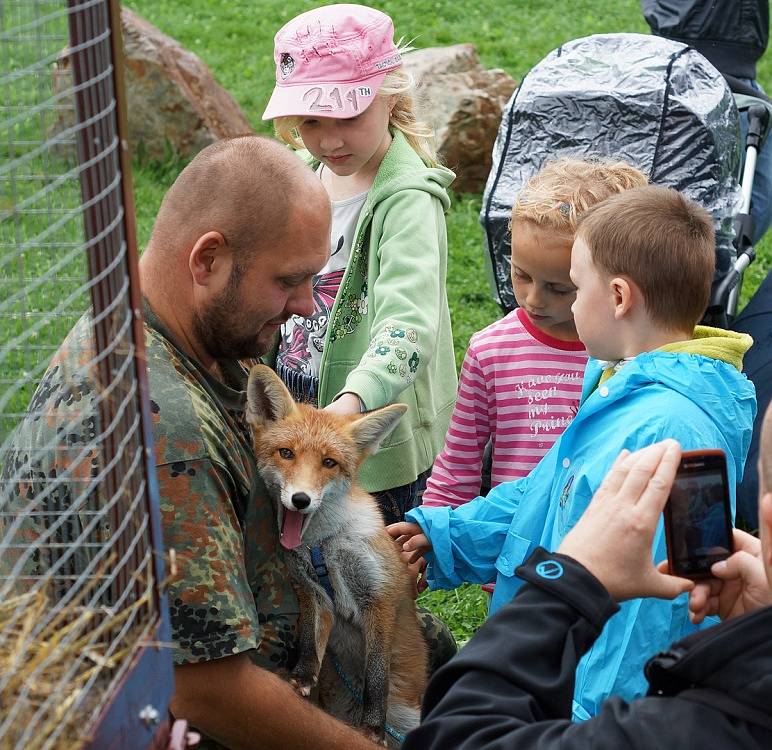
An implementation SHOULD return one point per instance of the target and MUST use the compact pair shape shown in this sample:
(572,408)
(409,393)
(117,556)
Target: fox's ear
(370,429)
(268,399)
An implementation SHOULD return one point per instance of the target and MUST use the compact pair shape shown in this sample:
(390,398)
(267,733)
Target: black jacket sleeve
(512,685)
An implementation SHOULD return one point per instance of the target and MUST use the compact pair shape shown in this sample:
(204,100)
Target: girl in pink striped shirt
(522,375)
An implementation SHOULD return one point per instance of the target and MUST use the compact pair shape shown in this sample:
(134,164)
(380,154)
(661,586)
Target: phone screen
(700,532)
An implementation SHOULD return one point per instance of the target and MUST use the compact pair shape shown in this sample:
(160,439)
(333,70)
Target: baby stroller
(655,103)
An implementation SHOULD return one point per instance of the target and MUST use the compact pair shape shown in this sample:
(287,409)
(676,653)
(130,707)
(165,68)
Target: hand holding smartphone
(698,517)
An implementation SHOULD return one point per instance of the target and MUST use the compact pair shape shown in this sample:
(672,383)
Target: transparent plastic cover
(656,103)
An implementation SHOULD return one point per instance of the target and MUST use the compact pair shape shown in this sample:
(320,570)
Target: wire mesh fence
(78,574)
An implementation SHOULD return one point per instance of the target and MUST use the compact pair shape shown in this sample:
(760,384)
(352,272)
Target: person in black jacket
(511,686)
(733,35)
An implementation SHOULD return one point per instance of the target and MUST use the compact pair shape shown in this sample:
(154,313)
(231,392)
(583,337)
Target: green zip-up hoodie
(389,338)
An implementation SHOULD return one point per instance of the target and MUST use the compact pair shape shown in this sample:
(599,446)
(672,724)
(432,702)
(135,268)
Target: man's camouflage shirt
(232,592)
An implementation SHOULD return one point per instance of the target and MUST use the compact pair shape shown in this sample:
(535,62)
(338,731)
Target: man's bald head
(246,188)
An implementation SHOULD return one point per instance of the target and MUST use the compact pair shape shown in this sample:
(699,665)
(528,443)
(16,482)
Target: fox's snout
(302,470)
(300,500)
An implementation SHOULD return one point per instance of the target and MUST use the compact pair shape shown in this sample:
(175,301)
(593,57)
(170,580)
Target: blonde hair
(399,84)
(565,188)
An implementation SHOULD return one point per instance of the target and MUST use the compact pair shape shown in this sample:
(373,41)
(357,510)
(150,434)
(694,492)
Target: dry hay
(37,681)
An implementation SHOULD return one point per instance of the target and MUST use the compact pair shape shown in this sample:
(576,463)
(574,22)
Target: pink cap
(331,61)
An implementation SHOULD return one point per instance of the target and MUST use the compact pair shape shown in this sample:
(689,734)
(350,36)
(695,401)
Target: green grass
(236,38)
(42,265)
(463,609)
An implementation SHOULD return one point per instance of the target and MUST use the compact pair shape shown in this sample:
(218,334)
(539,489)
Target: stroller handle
(736,86)
(758,123)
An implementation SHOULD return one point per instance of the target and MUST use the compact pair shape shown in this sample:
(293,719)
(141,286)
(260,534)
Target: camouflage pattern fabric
(232,592)
(51,465)
(442,646)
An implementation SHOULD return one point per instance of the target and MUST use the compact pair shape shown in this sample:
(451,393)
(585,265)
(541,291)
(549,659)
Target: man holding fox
(220,275)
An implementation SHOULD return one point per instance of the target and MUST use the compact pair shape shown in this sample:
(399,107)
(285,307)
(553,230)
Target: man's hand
(245,707)
(613,537)
(740,584)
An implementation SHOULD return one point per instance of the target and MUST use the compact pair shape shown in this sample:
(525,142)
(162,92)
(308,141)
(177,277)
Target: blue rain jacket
(700,401)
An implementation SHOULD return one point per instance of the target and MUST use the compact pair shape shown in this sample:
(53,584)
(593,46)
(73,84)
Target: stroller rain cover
(657,104)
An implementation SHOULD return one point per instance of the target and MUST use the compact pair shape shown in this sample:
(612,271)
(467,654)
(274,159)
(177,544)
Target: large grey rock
(463,102)
(457,58)
(173,100)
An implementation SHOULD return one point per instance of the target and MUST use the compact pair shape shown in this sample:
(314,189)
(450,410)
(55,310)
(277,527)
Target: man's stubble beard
(216,327)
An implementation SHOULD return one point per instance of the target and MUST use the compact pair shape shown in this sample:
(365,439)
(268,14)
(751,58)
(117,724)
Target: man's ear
(623,292)
(210,260)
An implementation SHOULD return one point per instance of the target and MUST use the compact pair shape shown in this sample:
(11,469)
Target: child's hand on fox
(412,539)
(346,403)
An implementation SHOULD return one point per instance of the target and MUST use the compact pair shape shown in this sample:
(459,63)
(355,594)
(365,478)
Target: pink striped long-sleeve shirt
(519,387)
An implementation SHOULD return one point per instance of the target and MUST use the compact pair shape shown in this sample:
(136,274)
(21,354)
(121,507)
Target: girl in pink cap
(380,331)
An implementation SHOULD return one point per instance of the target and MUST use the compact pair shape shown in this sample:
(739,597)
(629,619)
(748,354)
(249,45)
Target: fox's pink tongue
(290,529)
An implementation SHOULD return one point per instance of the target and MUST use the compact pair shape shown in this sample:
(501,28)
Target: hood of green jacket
(392,176)
(716,343)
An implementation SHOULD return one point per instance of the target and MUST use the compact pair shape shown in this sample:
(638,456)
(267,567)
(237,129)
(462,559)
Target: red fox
(359,636)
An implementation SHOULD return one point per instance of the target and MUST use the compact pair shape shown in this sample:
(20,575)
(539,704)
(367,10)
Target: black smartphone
(698,517)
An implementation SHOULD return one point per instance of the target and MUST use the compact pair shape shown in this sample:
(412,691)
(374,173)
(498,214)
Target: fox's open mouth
(292,524)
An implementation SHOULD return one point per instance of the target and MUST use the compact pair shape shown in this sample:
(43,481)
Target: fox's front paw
(303,683)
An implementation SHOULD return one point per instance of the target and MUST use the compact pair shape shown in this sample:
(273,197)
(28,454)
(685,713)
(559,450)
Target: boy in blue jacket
(642,263)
